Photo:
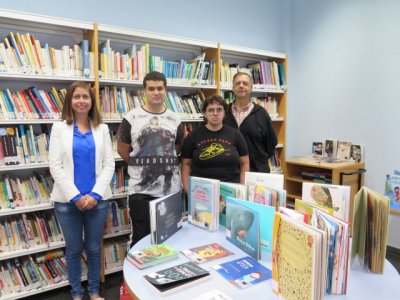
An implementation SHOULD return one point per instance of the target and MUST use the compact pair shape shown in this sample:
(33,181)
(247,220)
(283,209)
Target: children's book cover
(266,214)
(204,203)
(392,190)
(152,255)
(206,253)
(243,227)
(332,196)
(243,272)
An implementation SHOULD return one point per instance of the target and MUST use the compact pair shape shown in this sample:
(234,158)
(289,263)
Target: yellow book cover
(296,259)
(308,208)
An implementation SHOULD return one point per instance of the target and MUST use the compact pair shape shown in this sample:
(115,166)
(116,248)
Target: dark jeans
(140,216)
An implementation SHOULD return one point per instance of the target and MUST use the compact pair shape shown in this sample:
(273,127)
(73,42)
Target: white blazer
(62,164)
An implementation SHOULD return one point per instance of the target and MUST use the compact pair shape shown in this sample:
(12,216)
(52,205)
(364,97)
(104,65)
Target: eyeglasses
(215,110)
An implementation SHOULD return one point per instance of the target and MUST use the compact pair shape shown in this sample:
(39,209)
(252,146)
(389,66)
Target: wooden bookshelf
(342,173)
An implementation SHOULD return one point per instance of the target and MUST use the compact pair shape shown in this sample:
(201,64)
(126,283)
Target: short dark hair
(67,113)
(216,99)
(154,76)
(242,73)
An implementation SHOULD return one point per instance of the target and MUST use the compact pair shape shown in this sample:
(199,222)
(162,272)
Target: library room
(211,150)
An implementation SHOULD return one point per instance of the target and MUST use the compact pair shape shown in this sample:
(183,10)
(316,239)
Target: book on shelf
(332,196)
(214,294)
(243,272)
(165,217)
(174,278)
(297,259)
(317,148)
(370,229)
(357,153)
(206,253)
(227,189)
(330,148)
(243,227)
(203,201)
(115,252)
(343,150)
(152,255)
(266,219)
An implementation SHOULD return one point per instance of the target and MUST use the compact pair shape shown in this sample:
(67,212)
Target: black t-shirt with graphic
(215,154)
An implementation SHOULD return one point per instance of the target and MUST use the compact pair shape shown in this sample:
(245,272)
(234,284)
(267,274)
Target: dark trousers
(140,216)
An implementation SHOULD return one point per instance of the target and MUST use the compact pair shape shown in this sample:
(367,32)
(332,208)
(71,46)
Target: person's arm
(124,140)
(185,173)
(124,150)
(244,167)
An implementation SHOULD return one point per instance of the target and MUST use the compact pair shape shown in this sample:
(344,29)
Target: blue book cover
(204,203)
(243,272)
(84,44)
(243,227)
(267,215)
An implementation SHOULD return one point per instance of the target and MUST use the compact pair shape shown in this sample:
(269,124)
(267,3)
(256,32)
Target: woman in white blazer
(82,165)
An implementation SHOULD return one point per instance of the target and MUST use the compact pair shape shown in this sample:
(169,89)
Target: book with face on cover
(243,272)
(165,217)
(206,253)
(150,256)
(176,277)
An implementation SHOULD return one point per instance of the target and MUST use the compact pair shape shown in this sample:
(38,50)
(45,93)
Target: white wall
(344,79)
(256,24)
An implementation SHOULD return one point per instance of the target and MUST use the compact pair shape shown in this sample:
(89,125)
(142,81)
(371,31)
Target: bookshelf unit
(343,173)
(58,32)
(244,56)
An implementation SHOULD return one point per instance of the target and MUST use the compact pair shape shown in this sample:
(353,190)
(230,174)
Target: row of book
(23,53)
(34,272)
(22,145)
(270,105)
(119,181)
(27,191)
(116,102)
(29,230)
(31,103)
(197,71)
(338,151)
(207,196)
(117,218)
(265,74)
(114,252)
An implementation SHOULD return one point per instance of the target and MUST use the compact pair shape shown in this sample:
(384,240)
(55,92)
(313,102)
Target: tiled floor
(110,289)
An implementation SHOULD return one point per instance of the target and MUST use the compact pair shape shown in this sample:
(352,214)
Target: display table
(361,285)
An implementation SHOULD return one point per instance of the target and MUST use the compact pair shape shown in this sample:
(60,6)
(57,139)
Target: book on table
(171,279)
(243,227)
(165,217)
(228,189)
(206,253)
(243,272)
(204,203)
(150,256)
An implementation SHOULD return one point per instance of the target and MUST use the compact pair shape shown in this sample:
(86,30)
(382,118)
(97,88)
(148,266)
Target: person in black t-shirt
(214,150)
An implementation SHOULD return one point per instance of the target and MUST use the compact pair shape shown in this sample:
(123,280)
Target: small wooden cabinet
(300,169)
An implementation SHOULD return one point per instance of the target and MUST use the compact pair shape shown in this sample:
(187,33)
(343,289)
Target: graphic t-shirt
(153,165)
(215,154)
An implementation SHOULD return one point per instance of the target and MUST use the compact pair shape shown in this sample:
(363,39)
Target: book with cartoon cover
(206,253)
(150,256)
(243,272)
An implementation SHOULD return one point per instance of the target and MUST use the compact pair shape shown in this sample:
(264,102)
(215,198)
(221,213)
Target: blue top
(84,155)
